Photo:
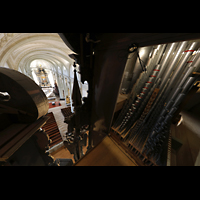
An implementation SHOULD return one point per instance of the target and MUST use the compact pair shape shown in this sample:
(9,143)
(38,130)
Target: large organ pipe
(170,67)
(166,58)
(189,69)
(145,120)
(130,107)
(144,56)
(154,61)
(192,65)
(155,74)
(187,53)
(159,135)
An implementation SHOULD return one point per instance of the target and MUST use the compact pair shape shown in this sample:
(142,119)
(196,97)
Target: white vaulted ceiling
(25,52)
(18,50)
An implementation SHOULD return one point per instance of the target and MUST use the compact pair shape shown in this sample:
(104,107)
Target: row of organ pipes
(144,121)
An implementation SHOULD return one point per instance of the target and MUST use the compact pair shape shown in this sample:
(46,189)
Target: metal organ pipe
(178,100)
(165,59)
(170,67)
(144,122)
(151,77)
(189,69)
(157,100)
(165,83)
(140,82)
(155,75)
(178,69)
(192,65)
(158,136)
(183,62)
(155,59)
(143,52)
(144,55)
(142,97)
(186,87)
(140,108)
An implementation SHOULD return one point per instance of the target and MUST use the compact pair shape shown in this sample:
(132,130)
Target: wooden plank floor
(106,153)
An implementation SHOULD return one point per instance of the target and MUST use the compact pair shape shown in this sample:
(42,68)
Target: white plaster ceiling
(20,49)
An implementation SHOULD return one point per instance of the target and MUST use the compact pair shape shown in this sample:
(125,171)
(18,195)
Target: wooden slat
(57,142)
(66,111)
(10,147)
(53,133)
(51,128)
(107,153)
(10,132)
(55,137)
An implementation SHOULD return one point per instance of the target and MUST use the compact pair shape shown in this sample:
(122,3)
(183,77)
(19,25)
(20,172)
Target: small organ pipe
(141,96)
(140,82)
(152,77)
(141,108)
(150,82)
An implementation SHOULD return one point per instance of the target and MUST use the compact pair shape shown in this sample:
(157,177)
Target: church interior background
(44,58)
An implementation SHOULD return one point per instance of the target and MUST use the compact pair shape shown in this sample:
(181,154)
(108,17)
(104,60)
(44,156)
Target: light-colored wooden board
(106,153)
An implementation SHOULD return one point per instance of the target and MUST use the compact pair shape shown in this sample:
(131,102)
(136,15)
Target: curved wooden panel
(27,98)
